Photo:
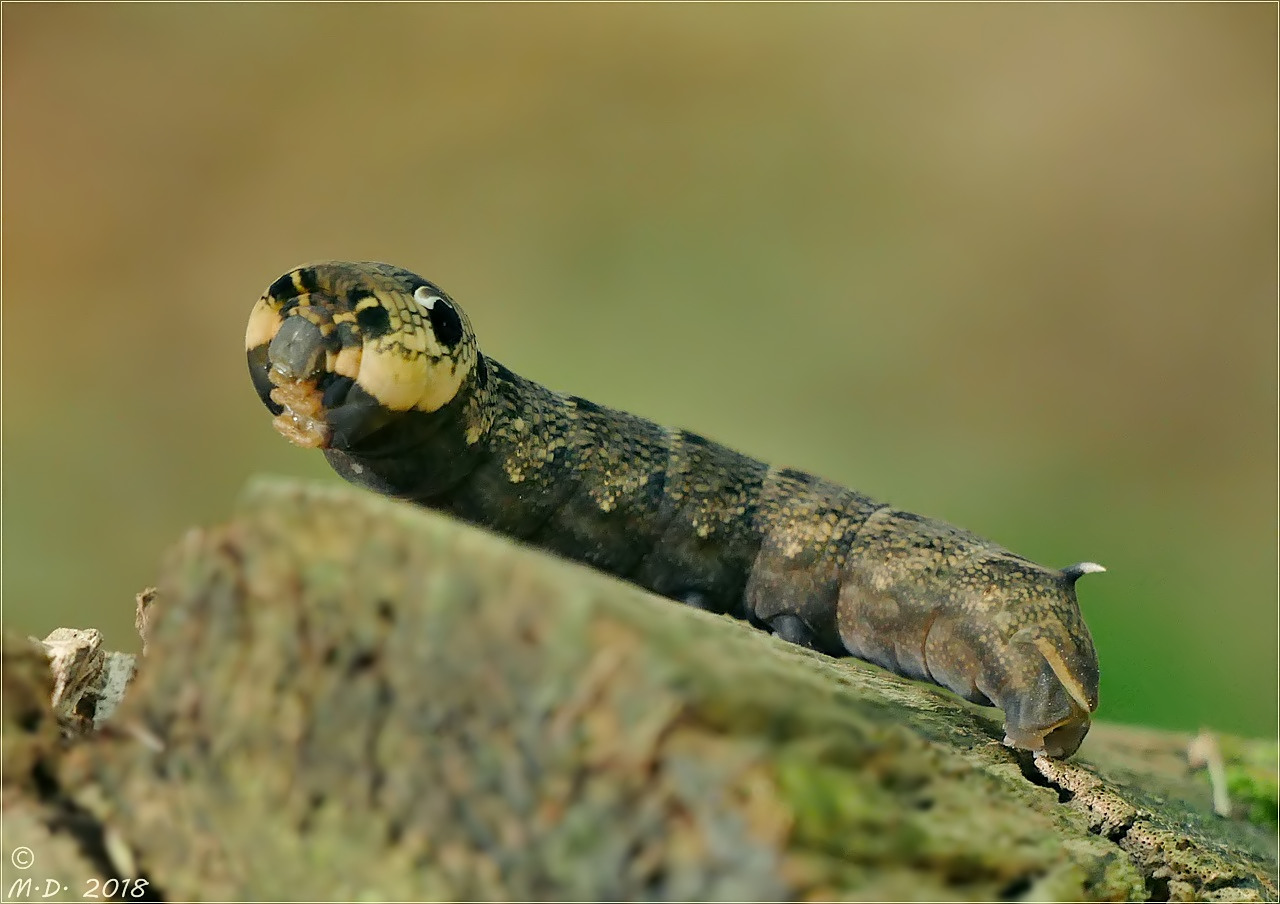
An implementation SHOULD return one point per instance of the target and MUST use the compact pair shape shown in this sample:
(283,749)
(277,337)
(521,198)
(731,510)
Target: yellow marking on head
(402,378)
(320,315)
(404,366)
(264,323)
(407,367)
(346,363)
(393,379)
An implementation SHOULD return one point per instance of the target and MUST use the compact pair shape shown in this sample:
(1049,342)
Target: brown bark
(347,697)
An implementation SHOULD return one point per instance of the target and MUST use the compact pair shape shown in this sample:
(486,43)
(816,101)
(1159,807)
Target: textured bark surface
(344,697)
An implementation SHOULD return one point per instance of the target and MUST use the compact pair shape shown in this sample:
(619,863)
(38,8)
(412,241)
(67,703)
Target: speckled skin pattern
(380,368)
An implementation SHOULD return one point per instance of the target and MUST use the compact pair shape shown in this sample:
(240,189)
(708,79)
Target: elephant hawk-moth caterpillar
(380,369)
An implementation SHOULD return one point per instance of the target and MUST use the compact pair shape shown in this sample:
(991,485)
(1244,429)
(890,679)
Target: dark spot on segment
(584,405)
(445,323)
(283,288)
(694,439)
(335,388)
(482,373)
(909,516)
(374,320)
(288,306)
(796,475)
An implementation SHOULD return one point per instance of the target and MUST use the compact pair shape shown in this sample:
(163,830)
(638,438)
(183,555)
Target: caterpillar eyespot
(422,295)
(406,405)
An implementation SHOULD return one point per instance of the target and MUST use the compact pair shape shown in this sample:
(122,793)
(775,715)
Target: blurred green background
(1011,266)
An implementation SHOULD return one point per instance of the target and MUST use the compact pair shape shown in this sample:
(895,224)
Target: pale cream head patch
(396,356)
(407,367)
(264,322)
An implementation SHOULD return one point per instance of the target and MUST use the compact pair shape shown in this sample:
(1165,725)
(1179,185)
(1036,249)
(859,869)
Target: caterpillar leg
(791,629)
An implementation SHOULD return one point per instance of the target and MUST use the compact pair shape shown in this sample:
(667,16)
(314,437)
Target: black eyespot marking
(793,474)
(655,486)
(583,405)
(445,323)
(374,320)
(283,288)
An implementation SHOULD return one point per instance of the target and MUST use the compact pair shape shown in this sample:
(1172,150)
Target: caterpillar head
(336,350)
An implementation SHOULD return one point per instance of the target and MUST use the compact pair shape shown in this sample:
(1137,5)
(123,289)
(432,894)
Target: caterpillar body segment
(380,369)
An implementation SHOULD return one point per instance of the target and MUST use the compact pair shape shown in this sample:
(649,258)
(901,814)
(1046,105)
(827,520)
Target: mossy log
(348,698)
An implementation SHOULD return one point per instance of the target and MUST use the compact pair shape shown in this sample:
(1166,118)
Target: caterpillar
(380,369)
